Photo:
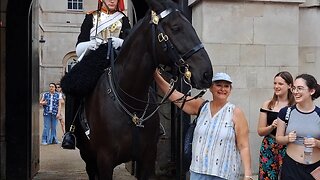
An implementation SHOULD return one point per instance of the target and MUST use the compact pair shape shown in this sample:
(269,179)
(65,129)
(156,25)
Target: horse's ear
(155,5)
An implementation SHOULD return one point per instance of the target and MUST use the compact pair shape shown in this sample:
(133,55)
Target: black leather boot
(69,138)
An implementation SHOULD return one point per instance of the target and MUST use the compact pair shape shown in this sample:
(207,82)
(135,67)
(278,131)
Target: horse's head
(180,42)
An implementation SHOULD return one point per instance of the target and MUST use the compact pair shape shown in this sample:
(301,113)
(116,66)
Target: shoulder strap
(199,110)
(263,110)
(201,106)
(288,114)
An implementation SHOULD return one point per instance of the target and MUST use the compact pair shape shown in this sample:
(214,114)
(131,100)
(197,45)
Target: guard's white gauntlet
(116,42)
(83,46)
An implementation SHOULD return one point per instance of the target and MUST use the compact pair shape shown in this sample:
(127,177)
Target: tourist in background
(298,127)
(51,111)
(61,102)
(272,153)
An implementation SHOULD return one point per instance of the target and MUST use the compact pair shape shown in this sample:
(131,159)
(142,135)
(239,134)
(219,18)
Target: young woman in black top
(272,153)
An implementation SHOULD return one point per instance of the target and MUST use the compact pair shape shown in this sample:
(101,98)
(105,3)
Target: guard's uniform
(82,78)
(119,29)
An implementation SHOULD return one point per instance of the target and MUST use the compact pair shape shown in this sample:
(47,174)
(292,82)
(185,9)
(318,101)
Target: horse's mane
(167,4)
(136,26)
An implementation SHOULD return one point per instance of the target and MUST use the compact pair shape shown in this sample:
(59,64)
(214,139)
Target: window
(75,4)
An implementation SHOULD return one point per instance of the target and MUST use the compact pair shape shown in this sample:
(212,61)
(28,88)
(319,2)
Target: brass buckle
(187,74)
(135,119)
(154,18)
(72,128)
(162,37)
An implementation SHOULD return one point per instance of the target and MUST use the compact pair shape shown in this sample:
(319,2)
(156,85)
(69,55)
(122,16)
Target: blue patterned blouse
(52,103)
(214,149)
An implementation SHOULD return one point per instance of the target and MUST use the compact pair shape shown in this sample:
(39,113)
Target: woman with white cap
(220,140)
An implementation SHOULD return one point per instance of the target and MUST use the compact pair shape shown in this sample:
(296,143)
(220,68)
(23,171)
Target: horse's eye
(175,28)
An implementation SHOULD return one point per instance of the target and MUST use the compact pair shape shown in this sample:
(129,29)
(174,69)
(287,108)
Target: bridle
(177,59)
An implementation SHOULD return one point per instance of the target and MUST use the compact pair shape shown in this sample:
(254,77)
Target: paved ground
(59,164)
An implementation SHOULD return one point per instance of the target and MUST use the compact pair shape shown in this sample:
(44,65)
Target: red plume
(120,5)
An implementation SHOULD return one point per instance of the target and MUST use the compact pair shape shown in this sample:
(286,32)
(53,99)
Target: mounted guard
(121,109)
(107,23)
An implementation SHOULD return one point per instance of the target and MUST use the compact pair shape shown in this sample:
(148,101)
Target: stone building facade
(251,40)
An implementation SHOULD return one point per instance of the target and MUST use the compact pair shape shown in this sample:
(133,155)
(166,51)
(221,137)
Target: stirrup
(69,139)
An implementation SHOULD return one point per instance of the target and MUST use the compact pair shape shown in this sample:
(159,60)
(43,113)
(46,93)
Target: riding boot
(69,139)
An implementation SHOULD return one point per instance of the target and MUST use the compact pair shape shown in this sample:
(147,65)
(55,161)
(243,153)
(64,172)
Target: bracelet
(249,177)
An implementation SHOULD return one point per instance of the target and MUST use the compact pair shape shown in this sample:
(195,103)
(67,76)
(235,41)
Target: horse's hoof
(68,141)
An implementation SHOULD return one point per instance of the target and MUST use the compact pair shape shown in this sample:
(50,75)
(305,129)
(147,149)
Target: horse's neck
(135,64)
(135,73)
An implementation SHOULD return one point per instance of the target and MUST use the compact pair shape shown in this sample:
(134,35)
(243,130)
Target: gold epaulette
(95,11)
(92,12)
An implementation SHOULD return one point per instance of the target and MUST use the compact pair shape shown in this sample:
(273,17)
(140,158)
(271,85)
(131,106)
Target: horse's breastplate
(111,31)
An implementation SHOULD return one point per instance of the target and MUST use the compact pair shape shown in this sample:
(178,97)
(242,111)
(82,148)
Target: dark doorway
(21,91)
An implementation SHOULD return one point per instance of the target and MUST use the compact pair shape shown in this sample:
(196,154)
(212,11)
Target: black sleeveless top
(271,116)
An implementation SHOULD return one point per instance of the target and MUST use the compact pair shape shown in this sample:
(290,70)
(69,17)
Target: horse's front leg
(146,164)
(91,164)
(91,171)
(105,165)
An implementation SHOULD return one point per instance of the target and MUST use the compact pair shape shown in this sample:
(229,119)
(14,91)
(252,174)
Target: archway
(69,60)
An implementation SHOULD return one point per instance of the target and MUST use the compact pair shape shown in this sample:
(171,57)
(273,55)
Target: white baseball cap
(220,76)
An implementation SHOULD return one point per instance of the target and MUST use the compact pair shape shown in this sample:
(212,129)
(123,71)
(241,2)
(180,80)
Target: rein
(138,121)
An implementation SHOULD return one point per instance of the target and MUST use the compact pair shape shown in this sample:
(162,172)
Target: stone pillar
(309,39)
(251,41)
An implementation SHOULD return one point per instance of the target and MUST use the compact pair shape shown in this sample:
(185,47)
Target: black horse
(121,114)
